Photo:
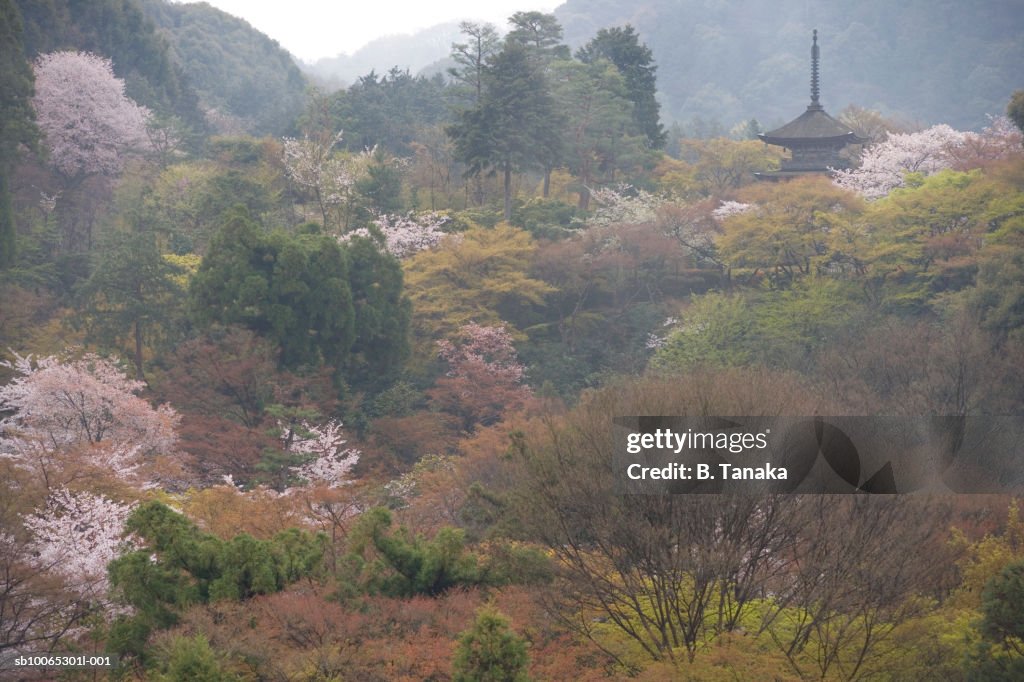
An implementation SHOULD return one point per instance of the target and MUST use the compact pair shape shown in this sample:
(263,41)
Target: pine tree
(490,652)
(621,46)
(515,125)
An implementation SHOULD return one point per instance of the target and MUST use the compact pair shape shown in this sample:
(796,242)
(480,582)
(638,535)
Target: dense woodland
(324,390)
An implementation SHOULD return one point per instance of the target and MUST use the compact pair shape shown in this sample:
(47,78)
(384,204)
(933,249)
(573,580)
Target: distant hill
(413,52)
(926,61)
(234,67)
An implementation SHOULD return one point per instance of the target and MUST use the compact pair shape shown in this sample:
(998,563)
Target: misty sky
(311,29)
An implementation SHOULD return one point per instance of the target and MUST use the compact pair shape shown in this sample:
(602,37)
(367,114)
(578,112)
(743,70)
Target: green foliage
(601,138)
(382,316)
(180,565)
(1002,602)
(16,118)
(545,218)
(514,127)
(408,565)
(490,652)
(718,330)
(396,563)
(1015,109)
(189,659)
(232,66)
(117,29)
(388,111)
(621,46)
(291,289)
(132,293)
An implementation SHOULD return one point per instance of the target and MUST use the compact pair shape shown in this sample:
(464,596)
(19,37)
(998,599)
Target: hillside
(117,29)
(413,52)
(923,61)
(234,68)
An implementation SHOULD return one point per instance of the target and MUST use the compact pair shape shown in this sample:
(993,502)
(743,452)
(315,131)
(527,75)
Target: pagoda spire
(815,56)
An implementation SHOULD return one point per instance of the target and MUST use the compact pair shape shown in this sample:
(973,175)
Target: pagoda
(814,138)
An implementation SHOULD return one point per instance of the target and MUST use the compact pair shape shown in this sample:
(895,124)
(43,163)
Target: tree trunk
(508,191)
(138,351)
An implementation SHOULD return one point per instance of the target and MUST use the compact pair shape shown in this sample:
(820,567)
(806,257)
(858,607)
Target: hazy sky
(311,29)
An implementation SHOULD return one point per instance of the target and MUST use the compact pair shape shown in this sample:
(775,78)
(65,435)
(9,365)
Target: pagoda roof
(812,125)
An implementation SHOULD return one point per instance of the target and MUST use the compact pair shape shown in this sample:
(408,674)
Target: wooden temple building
(814,138)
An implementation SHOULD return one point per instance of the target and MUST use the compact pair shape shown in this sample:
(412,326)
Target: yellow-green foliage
(481,275)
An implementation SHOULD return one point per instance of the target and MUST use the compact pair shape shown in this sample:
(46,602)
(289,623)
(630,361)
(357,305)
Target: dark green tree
(539,33)
(601,136)
(180,565)
(1000,654)
(1015,109)
(514,127)
(132,295)
(382,315)
(387,111)
(621,46)
(490,652)
(16,126)
(292,289)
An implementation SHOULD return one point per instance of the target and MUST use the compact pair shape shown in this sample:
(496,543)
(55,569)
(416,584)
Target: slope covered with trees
(345,405)
(236,70)
(945,62)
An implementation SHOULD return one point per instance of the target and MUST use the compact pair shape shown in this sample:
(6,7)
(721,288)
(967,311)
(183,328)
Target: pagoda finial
(815,55)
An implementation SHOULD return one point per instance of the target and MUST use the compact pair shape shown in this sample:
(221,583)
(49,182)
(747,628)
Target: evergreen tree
(490,652)
(515,125)
(291,289)
(131,294)
(16,125)
(382,315)
(621,46)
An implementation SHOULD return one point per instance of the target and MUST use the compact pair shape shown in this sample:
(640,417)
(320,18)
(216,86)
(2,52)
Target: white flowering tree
(406,235)
(88,404)
(885,165)
(75,535)
(314,166)
(320,449)
(88,122)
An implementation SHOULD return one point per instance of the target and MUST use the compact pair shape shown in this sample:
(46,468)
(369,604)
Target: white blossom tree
(321,448)
(88,403)
(406,235)
(89,124)
(884,166)
(313,166)
(75,535)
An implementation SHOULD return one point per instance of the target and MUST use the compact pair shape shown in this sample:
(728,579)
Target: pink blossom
(75,536)
(57,404)
(406,235)
(327,461)
(88,122)
(883,166)
(483,348)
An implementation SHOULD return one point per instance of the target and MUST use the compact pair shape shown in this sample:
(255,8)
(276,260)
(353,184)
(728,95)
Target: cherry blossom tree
(624,204)
(75,535)
(313,166)
(59,404)
(884,166)
(406,235)
(90,125)
(320,448)
(485,377)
